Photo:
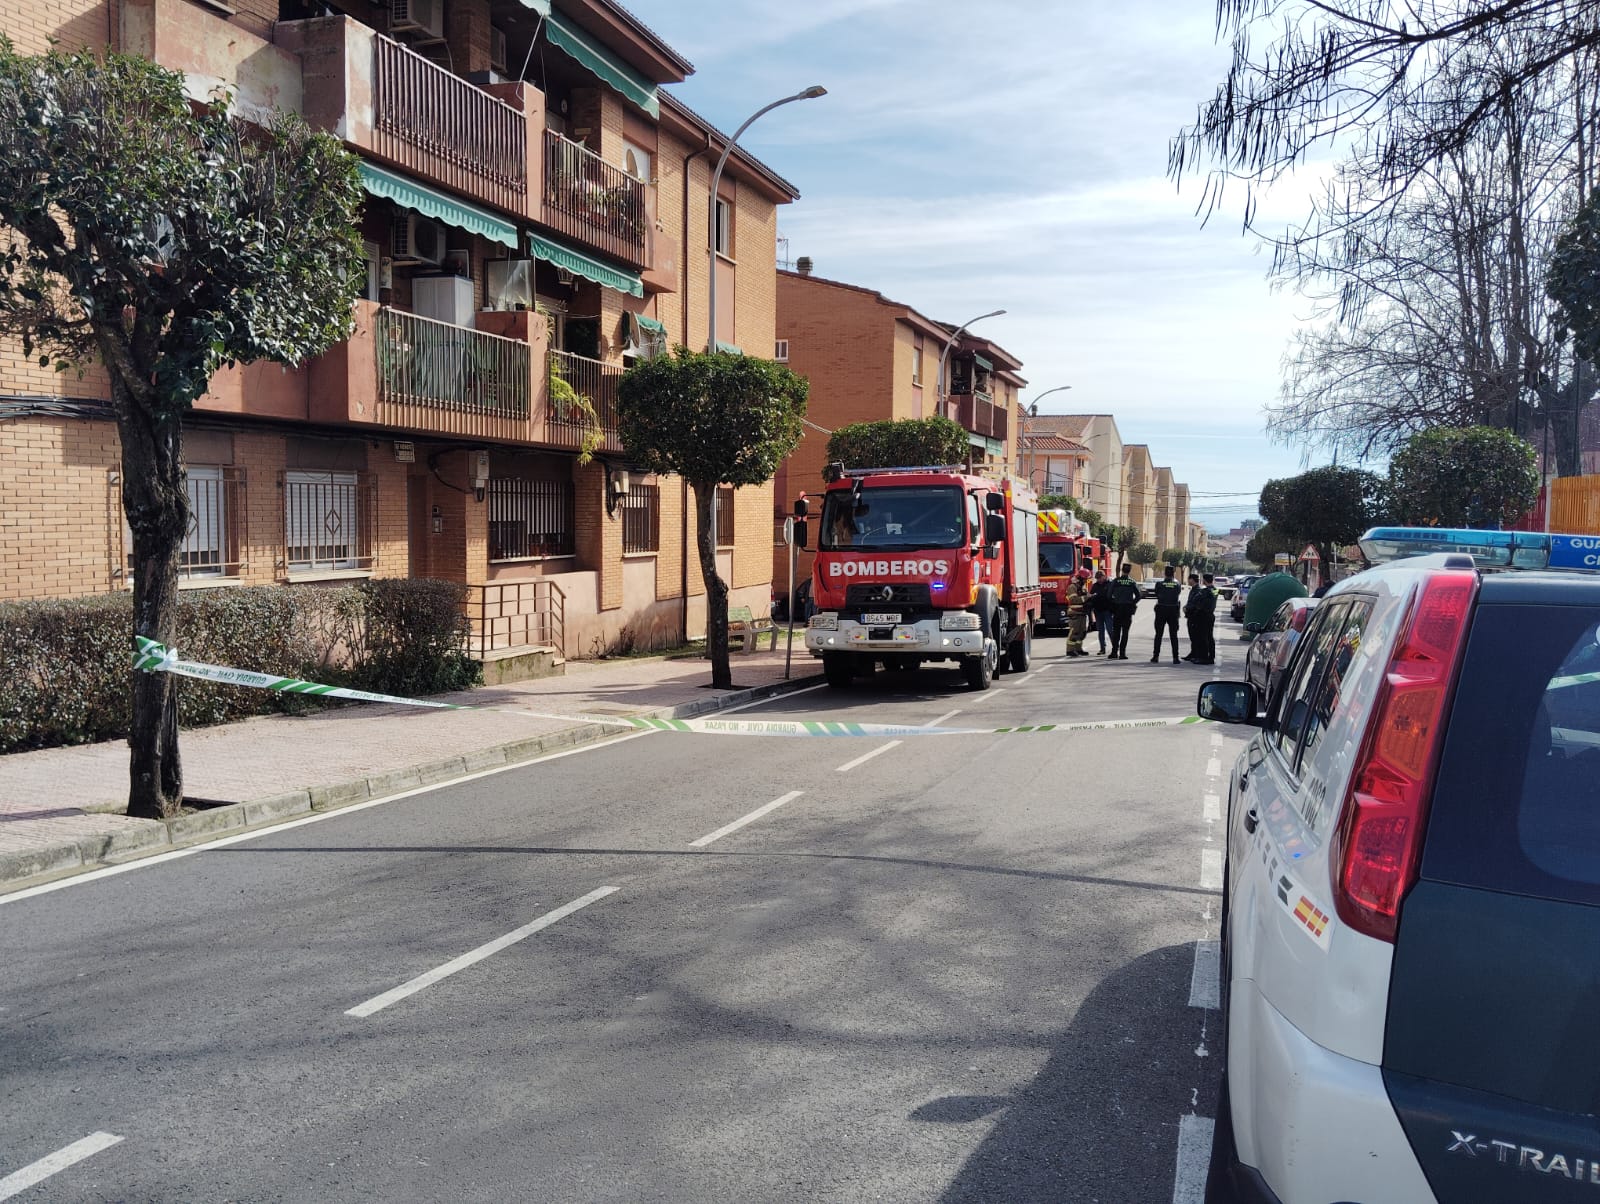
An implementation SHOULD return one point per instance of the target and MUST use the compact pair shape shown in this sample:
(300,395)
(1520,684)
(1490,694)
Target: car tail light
(1378,842)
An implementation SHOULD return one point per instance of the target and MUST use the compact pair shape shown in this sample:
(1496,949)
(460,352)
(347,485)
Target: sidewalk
(59,807)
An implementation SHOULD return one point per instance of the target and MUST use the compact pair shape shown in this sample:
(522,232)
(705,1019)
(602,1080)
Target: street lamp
(944,396)
(810,93)
(1027,436)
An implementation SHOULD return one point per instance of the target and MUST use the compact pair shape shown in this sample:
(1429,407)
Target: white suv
(1411,916)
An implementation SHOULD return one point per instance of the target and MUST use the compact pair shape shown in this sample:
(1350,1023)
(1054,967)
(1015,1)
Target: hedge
(67,662)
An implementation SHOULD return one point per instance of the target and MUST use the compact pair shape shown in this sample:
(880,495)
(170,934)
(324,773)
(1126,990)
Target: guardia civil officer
(1203,616)
(1169,599)
(1124,601)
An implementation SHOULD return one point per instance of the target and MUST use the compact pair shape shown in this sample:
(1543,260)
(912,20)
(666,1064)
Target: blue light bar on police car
(1488,549)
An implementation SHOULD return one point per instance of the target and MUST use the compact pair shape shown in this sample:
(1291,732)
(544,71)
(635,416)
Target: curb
(32,867)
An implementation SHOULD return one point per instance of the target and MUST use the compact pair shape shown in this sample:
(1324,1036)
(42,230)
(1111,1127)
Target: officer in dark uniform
(1169,600)
(1188,615)
(1203,617)
(1124,601)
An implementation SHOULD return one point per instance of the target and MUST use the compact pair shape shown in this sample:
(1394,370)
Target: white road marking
(1216,739)
(882,748)
(1194,1155)
(1210,869)
(158,858)
(746,819)
(37,1172)
(378,1002)
(942,718)
(1205,986)
(986,696)
(1213,809)
(1213,768)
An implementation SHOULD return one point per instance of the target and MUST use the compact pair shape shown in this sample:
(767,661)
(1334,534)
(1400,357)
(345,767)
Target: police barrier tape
(153,657)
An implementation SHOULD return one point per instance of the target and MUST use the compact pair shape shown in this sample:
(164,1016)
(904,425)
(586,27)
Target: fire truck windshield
(1058,559)
(893,517)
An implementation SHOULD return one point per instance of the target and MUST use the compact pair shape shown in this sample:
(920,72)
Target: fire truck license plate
(874,620)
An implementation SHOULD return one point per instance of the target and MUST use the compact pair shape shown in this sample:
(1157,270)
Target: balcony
(425,363)
(565,427)
(588,199)
(397,106)
(978,414)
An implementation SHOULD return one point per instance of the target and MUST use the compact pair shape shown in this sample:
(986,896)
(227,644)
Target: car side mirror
(1228,702)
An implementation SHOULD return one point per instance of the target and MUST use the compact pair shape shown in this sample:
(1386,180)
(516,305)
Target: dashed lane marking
(864,757)
(1194,1153)
(1210,869)
(986,696)
(1205,988)
(378,1002)
(36,1173)
(1216,739)
(1213,768)
(1211,809)
(703,841)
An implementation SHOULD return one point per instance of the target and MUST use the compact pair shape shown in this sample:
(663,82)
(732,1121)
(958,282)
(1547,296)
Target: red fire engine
(1065,548)
(925,564)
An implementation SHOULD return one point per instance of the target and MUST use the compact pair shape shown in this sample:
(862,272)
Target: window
(780,351)
(1321,677)
(211,546)
(641,519)
(1332,690)
(725,516)
(724,228)
(1294,703)
(529,518)
(894,518)
(916,365)
(327,519)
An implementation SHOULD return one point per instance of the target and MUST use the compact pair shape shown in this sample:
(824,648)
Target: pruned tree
(1143,553)
(1177,557)
(1327,508)
(1463,477)
(163,240)
(713,419)
(899,443)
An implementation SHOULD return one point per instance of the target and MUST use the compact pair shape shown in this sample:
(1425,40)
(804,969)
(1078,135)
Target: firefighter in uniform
(1077,615)
(1169,601)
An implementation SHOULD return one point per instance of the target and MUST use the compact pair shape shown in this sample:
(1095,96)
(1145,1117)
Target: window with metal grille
(529,517)
(212,543)
(725,516)
(328,521)
(641,519)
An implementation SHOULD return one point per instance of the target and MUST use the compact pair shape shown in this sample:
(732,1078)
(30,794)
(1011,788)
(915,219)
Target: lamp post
(1027,431)
(944,395)
(810,93)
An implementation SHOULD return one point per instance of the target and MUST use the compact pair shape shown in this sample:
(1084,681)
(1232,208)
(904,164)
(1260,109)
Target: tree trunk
(156,504)
(705,497)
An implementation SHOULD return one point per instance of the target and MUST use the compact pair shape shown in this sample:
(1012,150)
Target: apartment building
(870,358)
(1098,477)
(1052,463)
(537,206)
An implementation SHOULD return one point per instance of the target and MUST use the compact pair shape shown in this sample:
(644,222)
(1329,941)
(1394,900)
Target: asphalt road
(958,970)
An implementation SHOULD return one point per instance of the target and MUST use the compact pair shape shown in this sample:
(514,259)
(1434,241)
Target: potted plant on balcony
(572,408)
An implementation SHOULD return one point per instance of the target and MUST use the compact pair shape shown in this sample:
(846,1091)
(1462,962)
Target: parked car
(1412,872)
(1241,590)
(1269,652)
(1147,588)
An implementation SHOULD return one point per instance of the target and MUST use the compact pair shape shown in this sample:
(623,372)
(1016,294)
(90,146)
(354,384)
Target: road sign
(1282,558)
(788,531)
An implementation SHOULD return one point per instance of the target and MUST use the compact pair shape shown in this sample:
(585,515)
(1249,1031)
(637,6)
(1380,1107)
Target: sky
(1012,154)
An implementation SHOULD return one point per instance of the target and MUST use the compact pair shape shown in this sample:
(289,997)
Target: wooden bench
(743,625)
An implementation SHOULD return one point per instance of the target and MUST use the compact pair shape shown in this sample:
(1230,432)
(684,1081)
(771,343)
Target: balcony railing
(435,364)
(566,424)
(447,130)
(515,614)
(981,416)
(589,199)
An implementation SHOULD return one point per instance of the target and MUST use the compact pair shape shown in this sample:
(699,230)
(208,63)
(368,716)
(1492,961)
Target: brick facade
(60,517)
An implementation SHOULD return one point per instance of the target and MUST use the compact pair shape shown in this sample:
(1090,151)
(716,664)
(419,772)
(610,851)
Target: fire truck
(1065,547)
(925,564)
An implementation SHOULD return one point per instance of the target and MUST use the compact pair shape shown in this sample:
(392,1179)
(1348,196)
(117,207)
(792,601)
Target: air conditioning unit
(497,50)
(417,16)
(418,239)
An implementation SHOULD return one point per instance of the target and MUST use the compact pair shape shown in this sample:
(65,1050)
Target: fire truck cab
(925,564)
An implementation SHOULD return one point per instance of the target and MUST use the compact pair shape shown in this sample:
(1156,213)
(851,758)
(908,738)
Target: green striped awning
(602,63)
(983,363)
(402,190)
(542,7)
(650,324)
(729,348)
(580,264)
